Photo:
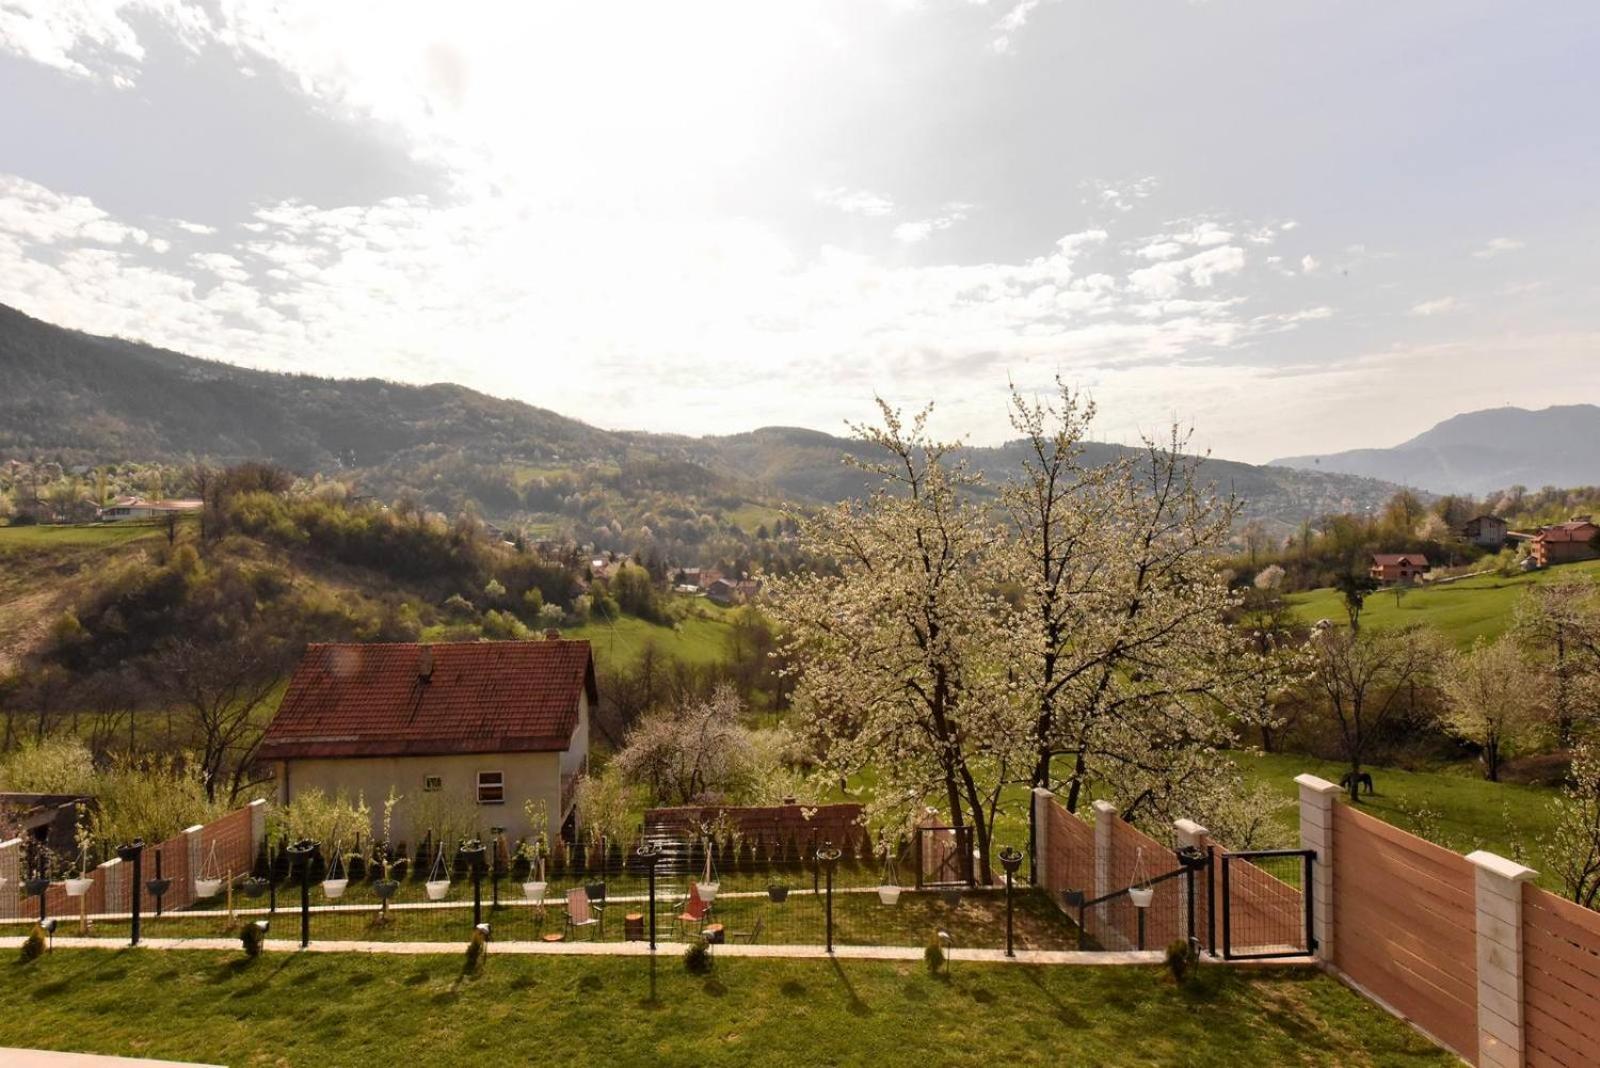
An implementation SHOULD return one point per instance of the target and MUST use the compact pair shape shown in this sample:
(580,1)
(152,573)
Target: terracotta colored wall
(1068,852)
(1405,921)
(1560,982)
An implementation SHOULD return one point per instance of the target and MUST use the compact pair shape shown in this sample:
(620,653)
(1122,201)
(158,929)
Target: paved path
(642,949)
(37,1058)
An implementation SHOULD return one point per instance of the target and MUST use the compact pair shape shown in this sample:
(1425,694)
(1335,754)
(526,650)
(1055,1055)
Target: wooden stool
(714,934)
(633,927)
(555,936)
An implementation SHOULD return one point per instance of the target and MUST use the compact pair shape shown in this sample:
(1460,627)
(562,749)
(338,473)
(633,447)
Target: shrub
(697,958)
(477,949)
(933,956)
(33,946)
(1181,960)
(251,938)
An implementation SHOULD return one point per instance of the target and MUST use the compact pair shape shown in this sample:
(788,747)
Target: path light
(483,929)
(301,851)
(1010,860)
(472,852)
(133,853)
(948,944)
(828,857)
(650,855)
(49,928)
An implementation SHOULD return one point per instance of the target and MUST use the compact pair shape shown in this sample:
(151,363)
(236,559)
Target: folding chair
(580,913)
(692,912)
(749,937)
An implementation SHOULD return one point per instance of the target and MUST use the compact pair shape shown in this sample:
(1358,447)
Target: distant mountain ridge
(88,400)
(1480,452)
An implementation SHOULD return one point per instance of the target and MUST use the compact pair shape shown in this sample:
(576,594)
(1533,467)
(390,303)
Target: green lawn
(1461,610)
(313,1009)
(87,535)
(699,639)
(1452,806)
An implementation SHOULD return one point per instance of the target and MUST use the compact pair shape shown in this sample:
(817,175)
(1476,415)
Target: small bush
(477,950)
(933,956)
(251,939)
(1181,960)
(697,958)
(34,945)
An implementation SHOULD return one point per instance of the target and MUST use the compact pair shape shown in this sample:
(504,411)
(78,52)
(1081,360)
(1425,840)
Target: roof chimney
(425,665)
(552,634)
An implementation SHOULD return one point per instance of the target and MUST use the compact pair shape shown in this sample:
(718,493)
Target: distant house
(1566,543)
(495,724)
(723,592)
(124,508)
(1489,531)
(1398,567)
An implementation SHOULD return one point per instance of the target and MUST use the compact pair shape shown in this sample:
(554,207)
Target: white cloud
(1168,278)
(855,201)
(1309,263)
(1497,246)
(910,233)
(1436,307)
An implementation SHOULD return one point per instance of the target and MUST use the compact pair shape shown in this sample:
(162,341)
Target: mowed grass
(316,1009)
(80,536)
(698,640)
(1451,806)
(1462,611)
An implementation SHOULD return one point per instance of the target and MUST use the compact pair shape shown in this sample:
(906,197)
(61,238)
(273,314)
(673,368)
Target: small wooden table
(633,927)
(714,934)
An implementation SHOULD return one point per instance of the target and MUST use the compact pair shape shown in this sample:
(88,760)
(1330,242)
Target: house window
(491,788)
(431,783)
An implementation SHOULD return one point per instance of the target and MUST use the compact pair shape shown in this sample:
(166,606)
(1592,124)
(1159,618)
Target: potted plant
(385,885)
(1141,893)
(533,852)
(337,877)
(778,891)
(438,884)
(209,881)
(36,885)
(80,884)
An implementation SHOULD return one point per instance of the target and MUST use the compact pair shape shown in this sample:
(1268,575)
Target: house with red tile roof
(1398,567)
(1566,543)
(491,725)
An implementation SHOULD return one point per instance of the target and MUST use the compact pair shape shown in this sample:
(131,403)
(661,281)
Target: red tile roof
(1574,530)
(480,697)
(1387,559)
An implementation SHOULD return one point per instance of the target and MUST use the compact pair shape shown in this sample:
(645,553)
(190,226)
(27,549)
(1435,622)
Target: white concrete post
(258,829)
(1499,897)
(111,879)
(1105,813)
(11,872)
(1041,836)
(194,845)
(1317,798)
(1190,833)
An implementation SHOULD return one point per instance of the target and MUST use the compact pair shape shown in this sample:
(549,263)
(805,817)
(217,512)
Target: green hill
(1462,611)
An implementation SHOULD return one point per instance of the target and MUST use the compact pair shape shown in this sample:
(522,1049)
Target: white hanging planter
(888,894)
(79,887)
(1141,896)
(708,891)
(534,890)
(206,887)
(437,889)
(334,888)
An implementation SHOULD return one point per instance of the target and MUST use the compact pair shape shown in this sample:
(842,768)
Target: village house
(495,724)
(125,508)
(1391,568)
(1487,531)
(1566,543)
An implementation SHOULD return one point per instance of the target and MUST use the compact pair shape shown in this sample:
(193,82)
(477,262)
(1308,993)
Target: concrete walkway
(642,949)
(38,1058)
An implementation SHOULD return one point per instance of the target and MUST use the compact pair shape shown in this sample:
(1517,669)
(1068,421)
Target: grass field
(88,535)
(1452,806)
(314,1009)
(1461,610)
(697,640)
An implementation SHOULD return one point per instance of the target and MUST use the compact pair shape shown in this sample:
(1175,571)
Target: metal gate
(1268,906)
(944,856)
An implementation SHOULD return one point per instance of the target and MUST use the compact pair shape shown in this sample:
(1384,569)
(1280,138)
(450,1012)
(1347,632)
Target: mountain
(77,398)
(1480,452)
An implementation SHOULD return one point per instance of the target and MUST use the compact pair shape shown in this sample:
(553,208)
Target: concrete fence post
(1317,798)
(1190,833)
(1105,814)
(194,846)
(1499,929)
(111,879)
(258,828)
(1041,835)
(11,872)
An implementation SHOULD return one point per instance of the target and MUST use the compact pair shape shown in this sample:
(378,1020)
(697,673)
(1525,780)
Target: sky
(1295,226)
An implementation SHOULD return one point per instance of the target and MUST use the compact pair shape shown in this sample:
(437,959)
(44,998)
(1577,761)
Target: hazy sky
(1298,226)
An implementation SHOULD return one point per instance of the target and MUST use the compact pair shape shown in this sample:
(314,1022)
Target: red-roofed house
(1398,567)
(1566,542)
(495,724)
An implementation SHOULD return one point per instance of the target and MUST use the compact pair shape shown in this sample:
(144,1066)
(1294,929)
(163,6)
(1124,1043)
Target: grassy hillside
(324,1009)
(1462,610)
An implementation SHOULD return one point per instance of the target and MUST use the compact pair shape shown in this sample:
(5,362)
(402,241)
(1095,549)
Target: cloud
(1120,196)
(912,232)
(855,201)
(1309,263)
(1436,307)
(1497,246)
(1202,269)
(1010,23)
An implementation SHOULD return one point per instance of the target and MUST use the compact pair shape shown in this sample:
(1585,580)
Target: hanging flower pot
(386,888)
(534,890)
(334,888)
(207,887)
(254,886)
(35,886)
(778,893)
(157,887)
(209,881)
(437,889)
(889,895)
(1141,896)
(708,891)
(80,886)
